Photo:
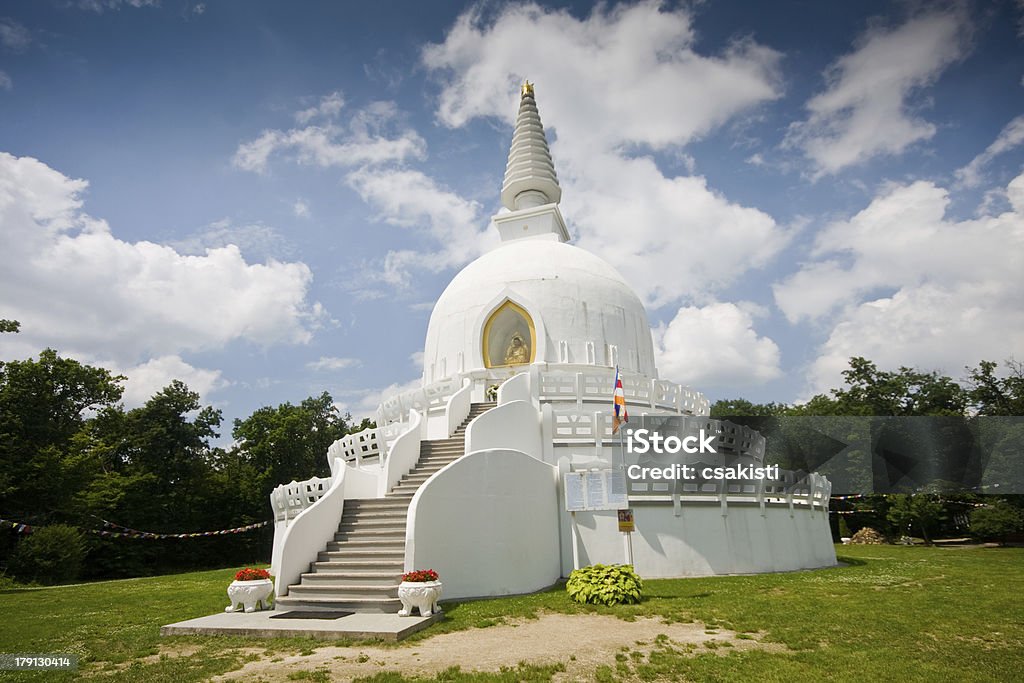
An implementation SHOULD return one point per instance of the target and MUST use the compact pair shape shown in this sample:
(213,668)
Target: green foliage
(52,554)
(601,584)
(905,511)
(43,406)
(996,521)
(902,392)
(277,445)
(9,325)
(993,395)
(741,407)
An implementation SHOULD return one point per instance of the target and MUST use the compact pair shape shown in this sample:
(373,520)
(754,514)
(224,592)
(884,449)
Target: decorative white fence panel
(359,447)
(594,385)
(288,500)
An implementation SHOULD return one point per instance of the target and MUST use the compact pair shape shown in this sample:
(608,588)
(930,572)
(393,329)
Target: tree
(996,521)
(904,392)
(741,407)
(289,442)
(996,396)
(9,325)
(43,405)
(906,510)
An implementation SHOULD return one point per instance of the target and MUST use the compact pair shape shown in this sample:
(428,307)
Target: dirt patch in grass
(581,642)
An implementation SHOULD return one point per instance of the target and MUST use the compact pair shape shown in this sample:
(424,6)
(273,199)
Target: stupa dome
(566,304)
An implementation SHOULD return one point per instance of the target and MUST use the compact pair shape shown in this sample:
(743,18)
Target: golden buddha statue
(518,351)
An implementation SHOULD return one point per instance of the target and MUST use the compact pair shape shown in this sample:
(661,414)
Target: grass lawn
(894,613)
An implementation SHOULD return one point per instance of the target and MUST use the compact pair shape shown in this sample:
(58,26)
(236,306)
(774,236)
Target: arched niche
(509,337)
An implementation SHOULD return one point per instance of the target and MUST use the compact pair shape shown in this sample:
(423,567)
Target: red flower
(420,576)
(252,574)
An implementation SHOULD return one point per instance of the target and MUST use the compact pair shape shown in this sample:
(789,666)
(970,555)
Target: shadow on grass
(851,561)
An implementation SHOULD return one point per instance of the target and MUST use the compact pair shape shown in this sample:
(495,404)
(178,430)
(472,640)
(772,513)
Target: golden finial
(527,89)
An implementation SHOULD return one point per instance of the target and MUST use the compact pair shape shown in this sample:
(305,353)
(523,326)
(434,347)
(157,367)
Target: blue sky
(264,199)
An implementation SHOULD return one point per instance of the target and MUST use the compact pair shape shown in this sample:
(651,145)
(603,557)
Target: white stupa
(468,474)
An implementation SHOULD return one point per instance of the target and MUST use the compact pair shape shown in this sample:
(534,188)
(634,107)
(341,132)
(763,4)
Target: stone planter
(420,594)
(249,594)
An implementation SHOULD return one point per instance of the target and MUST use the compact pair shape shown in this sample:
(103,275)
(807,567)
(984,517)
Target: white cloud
(866,111)
(5,81)
(646,224)
(1011,136)
(902,284)
(715,345)
(328,108)
(621,80)
(333,363)
(411,199)
(147,378)
(78,288)
(368,138)
(622,75)
(301,208)
(14,36)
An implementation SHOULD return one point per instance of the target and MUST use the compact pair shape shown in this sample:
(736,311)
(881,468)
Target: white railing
(594,384)
(429,398)
(361,448)
(580,383)
(288,500)
(571,426)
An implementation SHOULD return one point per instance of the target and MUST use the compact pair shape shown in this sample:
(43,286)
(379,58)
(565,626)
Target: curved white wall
(515,425)
(702,541)
(488,524)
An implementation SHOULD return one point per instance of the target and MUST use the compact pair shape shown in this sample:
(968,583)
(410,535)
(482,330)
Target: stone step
(373,521)
(369,542)
(376,532)
(359,505)
(340,604)
(415,476)
(358,535)
(365,555)
(350,592)
(404,490)
(430,467)
(377,518)
(352,578)
(359,566)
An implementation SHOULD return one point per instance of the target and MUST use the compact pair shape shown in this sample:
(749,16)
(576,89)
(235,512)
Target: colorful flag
(619,401)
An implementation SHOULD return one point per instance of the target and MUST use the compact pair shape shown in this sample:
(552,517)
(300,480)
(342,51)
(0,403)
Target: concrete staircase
(359,571)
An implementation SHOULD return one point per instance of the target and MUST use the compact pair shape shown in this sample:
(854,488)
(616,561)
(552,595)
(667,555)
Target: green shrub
(602,584)
(52,554)
(995,521)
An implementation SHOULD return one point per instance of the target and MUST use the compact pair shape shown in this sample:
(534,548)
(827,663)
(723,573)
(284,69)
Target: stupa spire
(530,178)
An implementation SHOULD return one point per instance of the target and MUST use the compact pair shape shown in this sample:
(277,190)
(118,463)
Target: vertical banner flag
(619,401)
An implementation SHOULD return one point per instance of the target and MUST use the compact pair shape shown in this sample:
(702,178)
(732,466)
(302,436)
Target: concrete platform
(387,627)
